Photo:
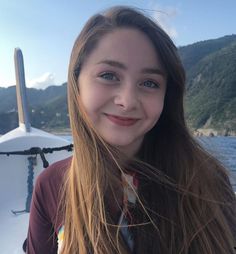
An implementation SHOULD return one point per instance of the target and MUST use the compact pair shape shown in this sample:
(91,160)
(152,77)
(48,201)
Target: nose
(127,97)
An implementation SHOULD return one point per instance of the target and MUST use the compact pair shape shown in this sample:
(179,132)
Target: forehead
(129,46)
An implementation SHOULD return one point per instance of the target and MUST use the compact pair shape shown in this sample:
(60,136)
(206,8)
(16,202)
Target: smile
(122,121)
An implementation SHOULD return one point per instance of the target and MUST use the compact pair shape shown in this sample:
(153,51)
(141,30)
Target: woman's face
(122,88)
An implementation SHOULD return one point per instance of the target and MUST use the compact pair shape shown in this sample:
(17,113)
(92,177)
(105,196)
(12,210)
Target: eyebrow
(124,67)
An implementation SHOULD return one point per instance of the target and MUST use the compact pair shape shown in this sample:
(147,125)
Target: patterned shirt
(130,184)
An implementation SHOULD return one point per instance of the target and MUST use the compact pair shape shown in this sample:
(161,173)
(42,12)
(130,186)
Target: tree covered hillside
(48,108)
(211,91)
(193,53)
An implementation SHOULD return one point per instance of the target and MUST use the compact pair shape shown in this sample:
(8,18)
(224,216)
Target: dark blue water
(223,148)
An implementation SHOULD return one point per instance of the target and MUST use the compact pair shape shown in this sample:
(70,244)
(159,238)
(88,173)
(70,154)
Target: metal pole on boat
(22,102)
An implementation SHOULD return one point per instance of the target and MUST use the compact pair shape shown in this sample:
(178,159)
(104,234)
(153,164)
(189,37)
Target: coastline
(59,132)
(208,132)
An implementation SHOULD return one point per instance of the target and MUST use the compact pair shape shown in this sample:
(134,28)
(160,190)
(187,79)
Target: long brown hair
(185,201)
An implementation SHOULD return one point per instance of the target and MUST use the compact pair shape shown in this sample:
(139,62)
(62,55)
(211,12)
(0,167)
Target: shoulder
(48,185)
(50,181)
(54,173)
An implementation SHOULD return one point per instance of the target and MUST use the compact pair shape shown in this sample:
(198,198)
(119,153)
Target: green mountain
(35,97)
(192,54)
(48,108)
(211,88)
(210,102)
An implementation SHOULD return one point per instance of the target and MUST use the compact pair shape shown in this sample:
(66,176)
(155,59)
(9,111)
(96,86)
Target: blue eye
(109,76)
(150,84)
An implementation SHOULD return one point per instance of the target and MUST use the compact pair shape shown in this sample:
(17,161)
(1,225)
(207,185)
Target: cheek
(154,108)
(93,100)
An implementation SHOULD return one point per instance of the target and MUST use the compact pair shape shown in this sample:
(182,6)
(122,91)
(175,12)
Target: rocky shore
(212,132)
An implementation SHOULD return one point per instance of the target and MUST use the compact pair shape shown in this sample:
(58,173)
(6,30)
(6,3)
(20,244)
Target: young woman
(137,182)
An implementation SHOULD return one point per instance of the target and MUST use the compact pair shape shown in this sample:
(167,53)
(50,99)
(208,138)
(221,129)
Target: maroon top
(44,220)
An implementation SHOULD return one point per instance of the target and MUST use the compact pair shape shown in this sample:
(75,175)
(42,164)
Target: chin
(118,143)
(122,143)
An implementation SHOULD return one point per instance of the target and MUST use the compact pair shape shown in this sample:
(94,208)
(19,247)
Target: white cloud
(164,16)
(42,82)
(5,81)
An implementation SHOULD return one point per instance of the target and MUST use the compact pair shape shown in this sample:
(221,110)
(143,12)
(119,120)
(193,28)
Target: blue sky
(45,30)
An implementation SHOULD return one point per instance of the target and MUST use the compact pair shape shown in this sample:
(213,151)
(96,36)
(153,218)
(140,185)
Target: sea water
(223,148)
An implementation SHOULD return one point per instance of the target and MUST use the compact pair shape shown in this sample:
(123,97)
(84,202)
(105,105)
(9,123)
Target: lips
(122,121)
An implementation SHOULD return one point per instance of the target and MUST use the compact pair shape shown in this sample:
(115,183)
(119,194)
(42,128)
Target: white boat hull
(13,182)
